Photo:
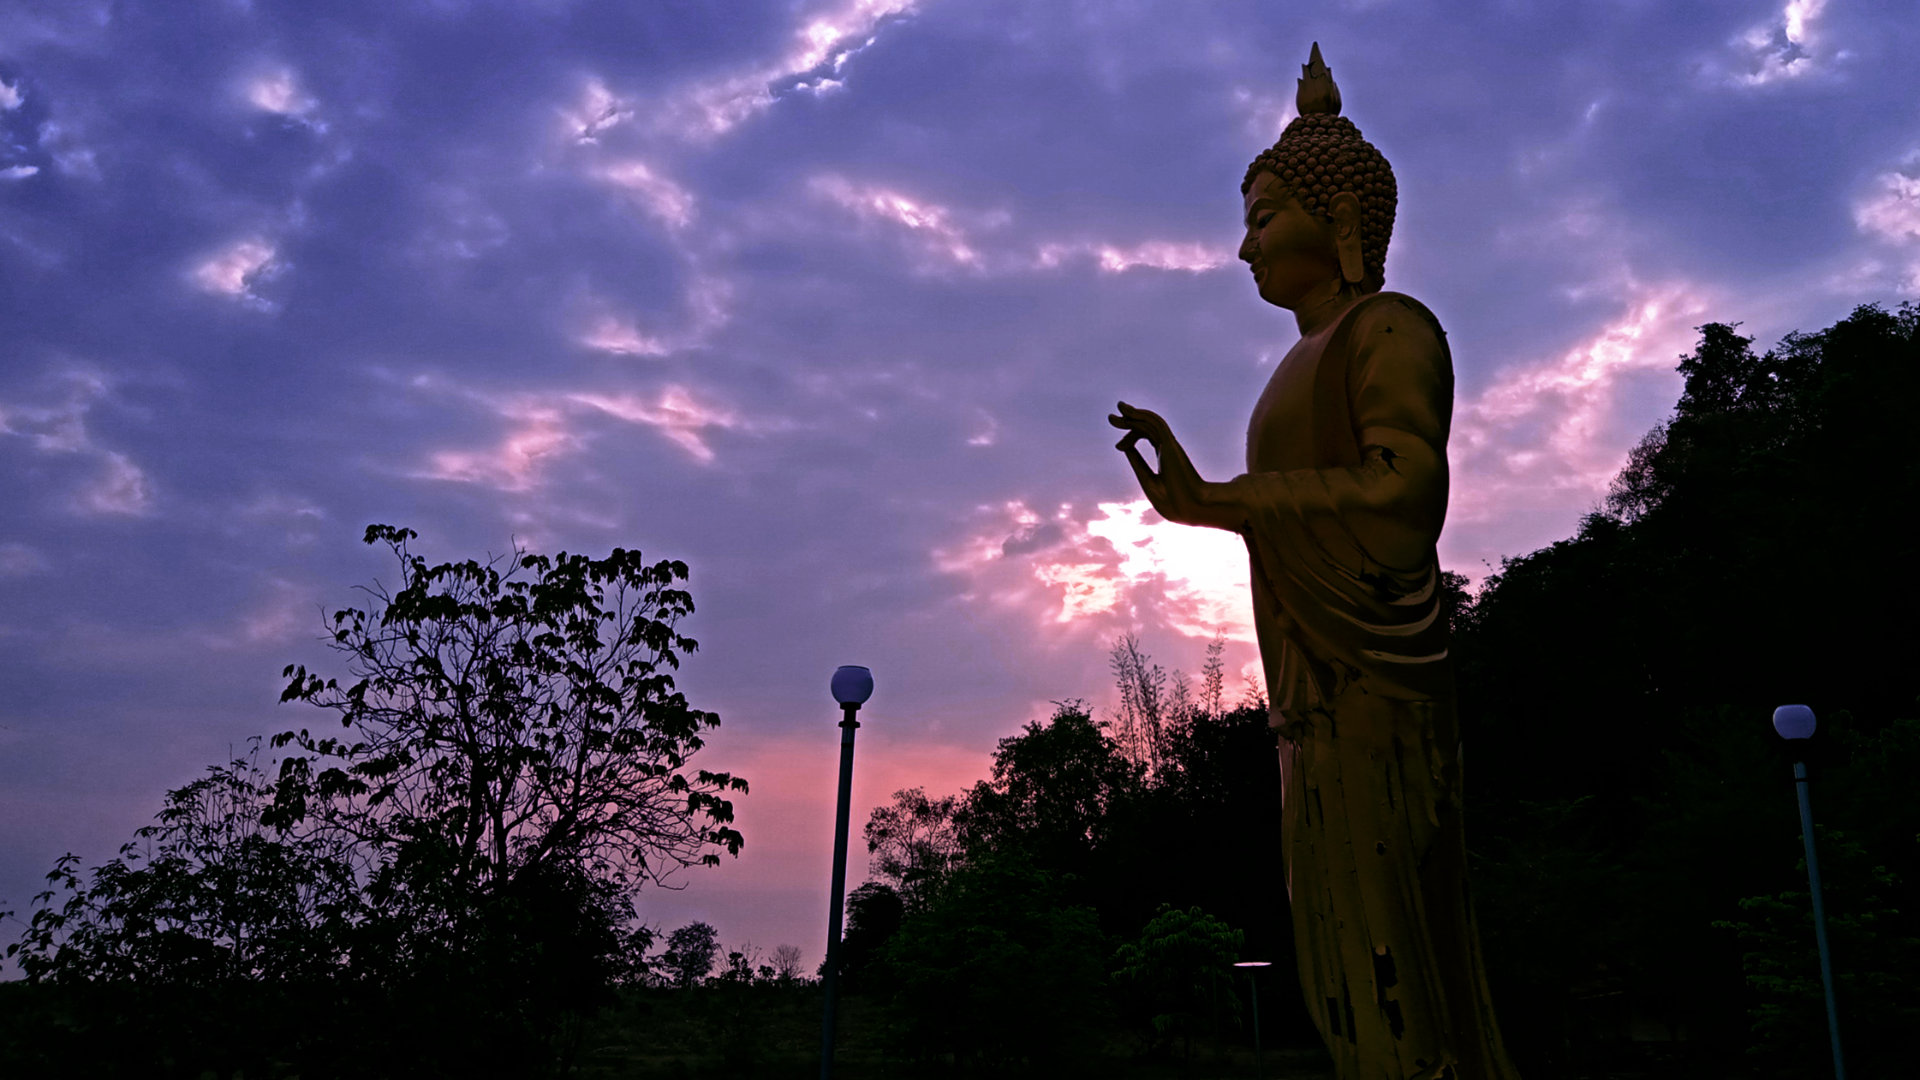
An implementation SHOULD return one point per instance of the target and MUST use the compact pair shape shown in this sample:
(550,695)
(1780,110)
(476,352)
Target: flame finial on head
(1317,92)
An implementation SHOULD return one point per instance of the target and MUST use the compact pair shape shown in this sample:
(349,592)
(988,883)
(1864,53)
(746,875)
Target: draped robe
(1347,605)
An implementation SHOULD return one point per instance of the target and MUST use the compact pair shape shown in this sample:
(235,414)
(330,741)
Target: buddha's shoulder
(1397,313)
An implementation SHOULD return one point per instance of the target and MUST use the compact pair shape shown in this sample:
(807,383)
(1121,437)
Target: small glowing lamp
(853,685)
(1793,722)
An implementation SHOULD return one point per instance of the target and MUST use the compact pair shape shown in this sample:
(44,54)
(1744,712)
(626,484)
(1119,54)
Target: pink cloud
(1537,448)
(1890,213)
(597,111)
(284,611)
(1192,258)
(544,428)
(234,270)
(1085,576)
(538,434)
(943,237)
(676,411)
(817,54)
(1787,47)
(278,92)
(122,488)
(1160,255)
(601,326)
(932,223)
(660,197)
(610,333)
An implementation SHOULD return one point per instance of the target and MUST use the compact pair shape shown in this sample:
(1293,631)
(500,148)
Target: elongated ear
(1345,211)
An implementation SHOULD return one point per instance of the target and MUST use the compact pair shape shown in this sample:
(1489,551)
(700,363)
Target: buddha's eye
(1261,221)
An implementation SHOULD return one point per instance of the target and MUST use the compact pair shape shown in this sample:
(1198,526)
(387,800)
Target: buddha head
(1339,184)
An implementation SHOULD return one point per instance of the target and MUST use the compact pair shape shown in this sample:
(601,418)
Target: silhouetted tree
(166,948)
(914,842)
(513,713)
(1177,973)
(1213,679)
(690,954)
(1057,790)
(786,962)
(999,970)
(451,880)
(1144,712)
(874,914)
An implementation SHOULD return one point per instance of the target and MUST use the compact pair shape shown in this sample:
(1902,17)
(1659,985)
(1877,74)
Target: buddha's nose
(1247,250)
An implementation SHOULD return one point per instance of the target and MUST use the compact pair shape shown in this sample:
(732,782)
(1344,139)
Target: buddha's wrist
(1221,504)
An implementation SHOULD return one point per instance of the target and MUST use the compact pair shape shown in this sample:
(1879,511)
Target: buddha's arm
(1393,503)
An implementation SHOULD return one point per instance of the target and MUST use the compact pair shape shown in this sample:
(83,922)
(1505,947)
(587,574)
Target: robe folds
(1348,609)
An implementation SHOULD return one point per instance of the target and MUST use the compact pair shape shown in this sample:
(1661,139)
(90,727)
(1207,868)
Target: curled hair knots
(1319,156)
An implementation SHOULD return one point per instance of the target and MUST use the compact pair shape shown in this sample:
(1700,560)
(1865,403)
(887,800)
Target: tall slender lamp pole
(1795,723)
(1253,978)
(852,686)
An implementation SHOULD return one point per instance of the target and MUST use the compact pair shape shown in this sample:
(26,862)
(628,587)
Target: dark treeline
(445,884)
(1637,855)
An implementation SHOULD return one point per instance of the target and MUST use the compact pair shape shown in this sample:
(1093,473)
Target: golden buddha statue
(1341,507)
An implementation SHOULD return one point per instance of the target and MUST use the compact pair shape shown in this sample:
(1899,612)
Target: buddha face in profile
(1293,254)
(1319,208)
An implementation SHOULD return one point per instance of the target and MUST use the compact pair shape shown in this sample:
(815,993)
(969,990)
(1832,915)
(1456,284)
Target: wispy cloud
(121,488)
(234,271)
(676,411)
(597,111)
(537,433)
(1546,437)
(543,428)
(1151,255)
(660,197)
(1890,213)
(278,91)
(942,236)
(932,223)
(622,337)
(118,485)
(599,324)
(1266,113)
(813,63)
(283,611)
(21,560)
(1786,47)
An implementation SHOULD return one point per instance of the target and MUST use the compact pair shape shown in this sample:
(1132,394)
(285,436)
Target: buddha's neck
(1323,306)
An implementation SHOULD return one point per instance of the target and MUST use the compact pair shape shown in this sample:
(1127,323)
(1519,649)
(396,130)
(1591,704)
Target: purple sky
(829,300)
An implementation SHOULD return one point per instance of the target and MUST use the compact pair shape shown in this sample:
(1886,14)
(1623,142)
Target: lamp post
(1253,979)
(852,686)
(1795,723)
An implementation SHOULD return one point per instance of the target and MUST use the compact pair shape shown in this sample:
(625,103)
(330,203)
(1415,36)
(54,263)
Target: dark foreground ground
(771,1036)
(753,1032)
(766,1033)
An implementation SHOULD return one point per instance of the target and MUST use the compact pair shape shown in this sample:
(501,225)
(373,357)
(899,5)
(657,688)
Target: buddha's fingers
(1152,485)
(1146,421)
